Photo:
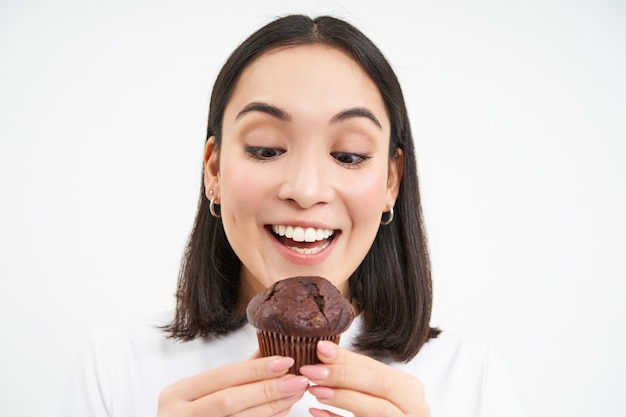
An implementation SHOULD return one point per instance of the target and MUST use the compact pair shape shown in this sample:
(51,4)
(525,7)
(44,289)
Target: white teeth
(299,234)
(310,235)
(309,251)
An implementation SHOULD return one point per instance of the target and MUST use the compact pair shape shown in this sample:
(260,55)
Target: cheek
(242,198)
(366,197)
(242,194)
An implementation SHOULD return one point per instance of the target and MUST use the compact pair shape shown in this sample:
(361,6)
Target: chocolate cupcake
(293,314)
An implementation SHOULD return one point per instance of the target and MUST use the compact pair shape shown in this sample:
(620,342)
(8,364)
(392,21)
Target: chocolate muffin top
(301,306)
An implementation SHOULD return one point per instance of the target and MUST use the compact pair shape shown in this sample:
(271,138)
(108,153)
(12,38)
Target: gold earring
(212,207)
(385,221)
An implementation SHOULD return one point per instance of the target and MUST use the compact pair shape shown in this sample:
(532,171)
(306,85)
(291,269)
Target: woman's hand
(255,388)
(363,385)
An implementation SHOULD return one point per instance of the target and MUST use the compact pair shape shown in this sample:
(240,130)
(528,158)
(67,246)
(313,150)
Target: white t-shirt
(126,366)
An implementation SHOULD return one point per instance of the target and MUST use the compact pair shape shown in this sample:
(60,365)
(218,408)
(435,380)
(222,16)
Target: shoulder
(140,330)
(109,371)
(120,347)
(463,374)
(450,356)
(450,347)
(128,362)
(143,339)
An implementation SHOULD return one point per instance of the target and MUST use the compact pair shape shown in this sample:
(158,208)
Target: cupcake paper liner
(302,349)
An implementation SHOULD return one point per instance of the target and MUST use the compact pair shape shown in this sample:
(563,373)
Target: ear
(396,170)
(211,169)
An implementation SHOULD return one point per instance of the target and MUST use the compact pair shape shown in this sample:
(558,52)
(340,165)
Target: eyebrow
(356,112)
(273,111)
(283,115)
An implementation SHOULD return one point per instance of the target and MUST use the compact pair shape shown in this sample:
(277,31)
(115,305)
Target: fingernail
(321,393)
(316,412)
(314,372)
(280,364)
(326,350)
(293,383)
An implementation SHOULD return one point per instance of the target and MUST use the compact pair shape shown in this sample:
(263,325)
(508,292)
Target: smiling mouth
(303,240)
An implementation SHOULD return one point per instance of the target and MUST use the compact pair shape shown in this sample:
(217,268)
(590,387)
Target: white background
(518,111)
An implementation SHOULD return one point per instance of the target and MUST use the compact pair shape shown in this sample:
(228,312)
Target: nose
(307,181)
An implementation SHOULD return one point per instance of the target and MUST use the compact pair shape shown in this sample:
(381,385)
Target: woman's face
(303,174)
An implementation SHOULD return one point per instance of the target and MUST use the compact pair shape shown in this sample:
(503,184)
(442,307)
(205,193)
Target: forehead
(307,75)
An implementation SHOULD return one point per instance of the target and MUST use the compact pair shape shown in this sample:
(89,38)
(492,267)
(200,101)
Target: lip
(301,258)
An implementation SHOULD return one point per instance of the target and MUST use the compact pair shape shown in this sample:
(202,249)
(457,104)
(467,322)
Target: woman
(309,169)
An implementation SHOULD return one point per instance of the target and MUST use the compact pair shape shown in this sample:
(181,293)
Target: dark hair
(392,286)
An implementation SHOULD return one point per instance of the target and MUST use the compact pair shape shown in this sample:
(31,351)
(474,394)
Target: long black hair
(392,286)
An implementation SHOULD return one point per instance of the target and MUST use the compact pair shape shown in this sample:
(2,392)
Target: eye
(262,153)
(347,158)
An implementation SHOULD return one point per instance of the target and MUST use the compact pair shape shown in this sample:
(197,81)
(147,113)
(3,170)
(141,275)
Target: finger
(391,386)
(283,406)
(349,370)
(230,375)
(360,404)
(316,412)
(263,398)
(330,353)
